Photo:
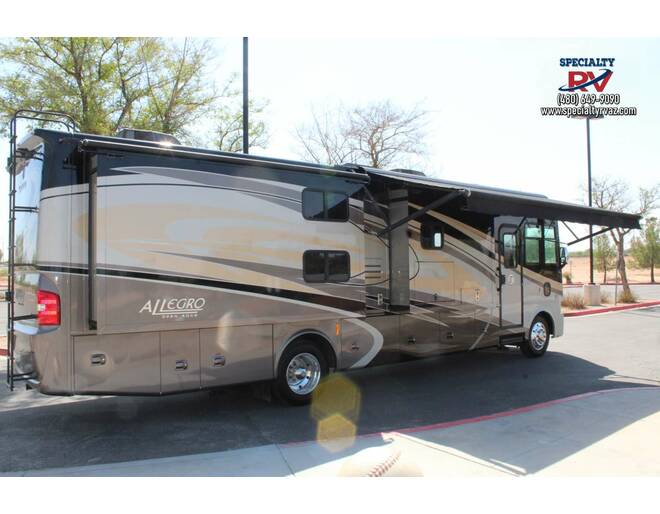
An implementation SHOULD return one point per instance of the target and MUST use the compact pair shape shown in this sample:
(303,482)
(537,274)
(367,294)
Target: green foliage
(227,131)
(645,250)
(605,255)
(109,83)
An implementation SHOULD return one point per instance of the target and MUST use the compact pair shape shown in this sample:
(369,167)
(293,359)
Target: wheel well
(551,324)
(323,344)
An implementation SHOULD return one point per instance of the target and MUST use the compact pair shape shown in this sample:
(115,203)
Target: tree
(378,134)
(108,83)
(227,131)
(613,194)
(646,250)
(604,255)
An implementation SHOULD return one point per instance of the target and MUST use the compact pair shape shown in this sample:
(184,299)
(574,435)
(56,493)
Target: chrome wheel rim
(303,373)
(538,336)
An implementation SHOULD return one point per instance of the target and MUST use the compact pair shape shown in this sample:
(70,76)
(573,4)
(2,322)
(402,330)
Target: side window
(326,266)
(324,205)
(431,236)
(532,245)
(510,250)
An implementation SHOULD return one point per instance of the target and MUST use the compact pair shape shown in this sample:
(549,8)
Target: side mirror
(563,255)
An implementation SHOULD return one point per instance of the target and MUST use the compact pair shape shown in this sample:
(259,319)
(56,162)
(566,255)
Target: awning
(497,201)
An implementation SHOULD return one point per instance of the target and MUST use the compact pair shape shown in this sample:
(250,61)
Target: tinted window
(541,246)
(533,231)
(431,236)
(532,251)
(326,266)
(549,245)
(314,266)
(509,250)
(339,266)
(312,204)
(324,205)
(337,206)
(532,245)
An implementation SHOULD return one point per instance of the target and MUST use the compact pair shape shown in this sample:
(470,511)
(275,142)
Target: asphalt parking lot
(598,352)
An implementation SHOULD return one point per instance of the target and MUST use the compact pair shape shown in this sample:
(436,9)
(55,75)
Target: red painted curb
(580,284)
(610,309)
(504,414)
(3,352)
(520,410)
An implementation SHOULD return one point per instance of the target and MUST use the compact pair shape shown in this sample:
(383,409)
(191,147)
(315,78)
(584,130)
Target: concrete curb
(600,310)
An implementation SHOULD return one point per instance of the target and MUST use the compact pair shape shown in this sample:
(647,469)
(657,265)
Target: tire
(299,372)
(538,339)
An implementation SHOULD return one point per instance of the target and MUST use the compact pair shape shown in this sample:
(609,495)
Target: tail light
(48,308)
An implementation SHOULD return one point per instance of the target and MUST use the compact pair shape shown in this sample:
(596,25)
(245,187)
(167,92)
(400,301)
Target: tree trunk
(622,267)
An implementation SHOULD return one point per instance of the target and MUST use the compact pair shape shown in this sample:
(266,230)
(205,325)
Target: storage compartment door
(117,363)
(179,360)
(236,354)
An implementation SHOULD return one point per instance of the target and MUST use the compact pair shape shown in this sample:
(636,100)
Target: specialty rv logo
(177,308)
(581,80)
(583,92)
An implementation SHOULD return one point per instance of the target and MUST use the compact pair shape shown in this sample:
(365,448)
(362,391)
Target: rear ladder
(39,118)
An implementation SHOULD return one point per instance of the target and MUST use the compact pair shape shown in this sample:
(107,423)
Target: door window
(510,250)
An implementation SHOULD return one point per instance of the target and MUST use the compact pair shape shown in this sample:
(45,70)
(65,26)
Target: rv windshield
(541,249)
(28,189)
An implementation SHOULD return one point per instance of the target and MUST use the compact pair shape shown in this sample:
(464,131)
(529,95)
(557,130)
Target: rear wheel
(299,372)
(536,344)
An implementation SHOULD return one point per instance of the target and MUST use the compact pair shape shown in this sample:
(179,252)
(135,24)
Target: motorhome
(141,266)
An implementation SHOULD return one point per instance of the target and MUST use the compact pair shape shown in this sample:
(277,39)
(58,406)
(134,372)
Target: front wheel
(299,373)
(536,344)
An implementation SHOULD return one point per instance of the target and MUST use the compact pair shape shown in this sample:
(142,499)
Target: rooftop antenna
(246,133)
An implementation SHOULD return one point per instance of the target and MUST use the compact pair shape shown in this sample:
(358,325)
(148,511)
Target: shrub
(605,297)
(573,301)
(568,277)
(625,297)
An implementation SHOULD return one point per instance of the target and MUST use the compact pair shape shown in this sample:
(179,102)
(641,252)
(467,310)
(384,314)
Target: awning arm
(434,204)
(385,215)
(590,236)
(521,223)
(569,229)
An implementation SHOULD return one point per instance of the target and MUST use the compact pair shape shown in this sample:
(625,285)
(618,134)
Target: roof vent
(148,135)
(410,172)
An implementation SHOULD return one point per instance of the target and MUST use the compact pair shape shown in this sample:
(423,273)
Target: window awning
(497,201)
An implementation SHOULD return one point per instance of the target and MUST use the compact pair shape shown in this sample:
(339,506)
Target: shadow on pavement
(37,431)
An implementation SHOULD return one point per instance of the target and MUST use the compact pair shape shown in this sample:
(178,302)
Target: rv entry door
(510,272)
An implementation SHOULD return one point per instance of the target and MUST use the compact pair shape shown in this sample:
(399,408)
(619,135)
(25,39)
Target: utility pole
(591,228)
(246,132)
(591,290)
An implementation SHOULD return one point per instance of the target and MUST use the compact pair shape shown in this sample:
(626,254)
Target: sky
(483,98)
